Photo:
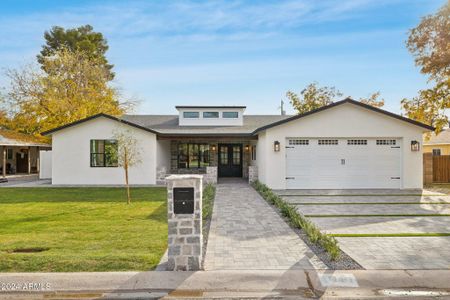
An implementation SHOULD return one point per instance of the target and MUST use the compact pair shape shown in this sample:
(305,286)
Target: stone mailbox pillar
(184,214)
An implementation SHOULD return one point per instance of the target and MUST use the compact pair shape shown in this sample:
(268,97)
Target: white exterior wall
(261,156)
(71,155)
(45,164)
(163,154)
(343,121)
(211,121)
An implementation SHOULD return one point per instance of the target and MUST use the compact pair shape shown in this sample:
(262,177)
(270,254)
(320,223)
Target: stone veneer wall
(161,174)
(211,175)
(252,173)
(185,238)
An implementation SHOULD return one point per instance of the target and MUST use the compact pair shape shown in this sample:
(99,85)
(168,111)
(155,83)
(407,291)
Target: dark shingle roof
(168,124)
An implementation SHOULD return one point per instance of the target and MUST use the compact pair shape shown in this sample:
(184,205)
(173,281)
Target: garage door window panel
(387,142)
(298,142)
(328,142)
(356,142)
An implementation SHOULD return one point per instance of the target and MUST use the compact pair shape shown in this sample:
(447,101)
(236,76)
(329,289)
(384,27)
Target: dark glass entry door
(230,160)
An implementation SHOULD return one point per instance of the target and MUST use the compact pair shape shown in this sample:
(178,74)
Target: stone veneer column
(252,173)
(161,173)
(185,230)
(211,175)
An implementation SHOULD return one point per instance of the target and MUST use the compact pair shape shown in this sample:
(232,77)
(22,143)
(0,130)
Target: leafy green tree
(373,100)
(74,87)
(82,38)
(312,97)
(315,96)
(429,43)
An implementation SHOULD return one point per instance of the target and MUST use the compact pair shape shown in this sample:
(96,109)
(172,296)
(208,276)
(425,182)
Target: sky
(228,52)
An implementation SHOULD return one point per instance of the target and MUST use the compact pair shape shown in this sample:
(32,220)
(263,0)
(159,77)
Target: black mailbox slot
(183,200)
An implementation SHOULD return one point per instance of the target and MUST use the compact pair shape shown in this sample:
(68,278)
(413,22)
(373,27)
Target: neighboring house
(19,153)
(343,145)
(438,144)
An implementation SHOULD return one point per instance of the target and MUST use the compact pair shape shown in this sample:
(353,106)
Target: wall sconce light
(276,146)
(415,146)
(247,147)
(213,147)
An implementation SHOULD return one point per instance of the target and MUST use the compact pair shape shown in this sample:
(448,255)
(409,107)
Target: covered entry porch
(19,154)
(224,157)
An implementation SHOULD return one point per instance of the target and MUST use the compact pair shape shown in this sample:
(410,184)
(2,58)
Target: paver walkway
(246,233)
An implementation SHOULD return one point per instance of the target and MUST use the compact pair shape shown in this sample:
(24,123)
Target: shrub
(297,220)
(209,193)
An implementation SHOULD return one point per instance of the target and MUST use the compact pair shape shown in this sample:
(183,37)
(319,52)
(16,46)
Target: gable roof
(95,117)
(347,100)
(167,125)
(442,138)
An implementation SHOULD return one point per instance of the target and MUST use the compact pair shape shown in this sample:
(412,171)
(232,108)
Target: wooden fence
(441,169)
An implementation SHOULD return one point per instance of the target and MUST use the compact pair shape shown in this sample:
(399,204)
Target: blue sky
(169,53)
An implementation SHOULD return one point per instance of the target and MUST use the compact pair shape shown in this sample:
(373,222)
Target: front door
(22,162)
(230,160)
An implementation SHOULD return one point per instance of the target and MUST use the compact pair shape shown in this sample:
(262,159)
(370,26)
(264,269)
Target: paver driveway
(246,233)
(364,212)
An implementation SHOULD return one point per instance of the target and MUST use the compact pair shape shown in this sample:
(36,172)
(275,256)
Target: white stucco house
(343,145)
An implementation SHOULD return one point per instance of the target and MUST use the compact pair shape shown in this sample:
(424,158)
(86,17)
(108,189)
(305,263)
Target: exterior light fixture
(415,146)
(213,147)
(247,147)
(276,146)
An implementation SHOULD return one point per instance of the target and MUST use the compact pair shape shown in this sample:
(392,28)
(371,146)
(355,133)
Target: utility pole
(281,107)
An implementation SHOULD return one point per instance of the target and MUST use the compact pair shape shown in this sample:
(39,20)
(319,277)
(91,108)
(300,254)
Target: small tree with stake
(128,154)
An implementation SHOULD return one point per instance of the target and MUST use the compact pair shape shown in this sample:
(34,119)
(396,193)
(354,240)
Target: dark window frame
(185,113)
(235,114)
(216,114)
(254,152)
(103,154)
(434,151)
(9,153)
(200,153)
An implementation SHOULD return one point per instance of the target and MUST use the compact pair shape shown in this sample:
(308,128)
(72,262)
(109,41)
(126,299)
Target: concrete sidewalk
(251,284)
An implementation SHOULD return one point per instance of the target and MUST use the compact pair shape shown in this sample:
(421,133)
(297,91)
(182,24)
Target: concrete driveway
(379,228)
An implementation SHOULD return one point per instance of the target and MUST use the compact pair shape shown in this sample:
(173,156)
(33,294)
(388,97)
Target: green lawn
(82,229)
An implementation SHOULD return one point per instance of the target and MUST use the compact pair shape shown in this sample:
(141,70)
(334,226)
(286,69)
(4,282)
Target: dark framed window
(9,153)
(237,155)
(254,152)
(436,152)
(230,114)
(210,114)
(104,153)
(191,114)
(192,156)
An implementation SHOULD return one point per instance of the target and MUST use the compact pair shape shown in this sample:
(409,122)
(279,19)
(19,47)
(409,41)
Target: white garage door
(343,163)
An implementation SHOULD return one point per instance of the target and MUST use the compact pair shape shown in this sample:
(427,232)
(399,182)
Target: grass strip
(389,234)
(367,203)
(209,193)
(297,220)
(378,215)
(362,195)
